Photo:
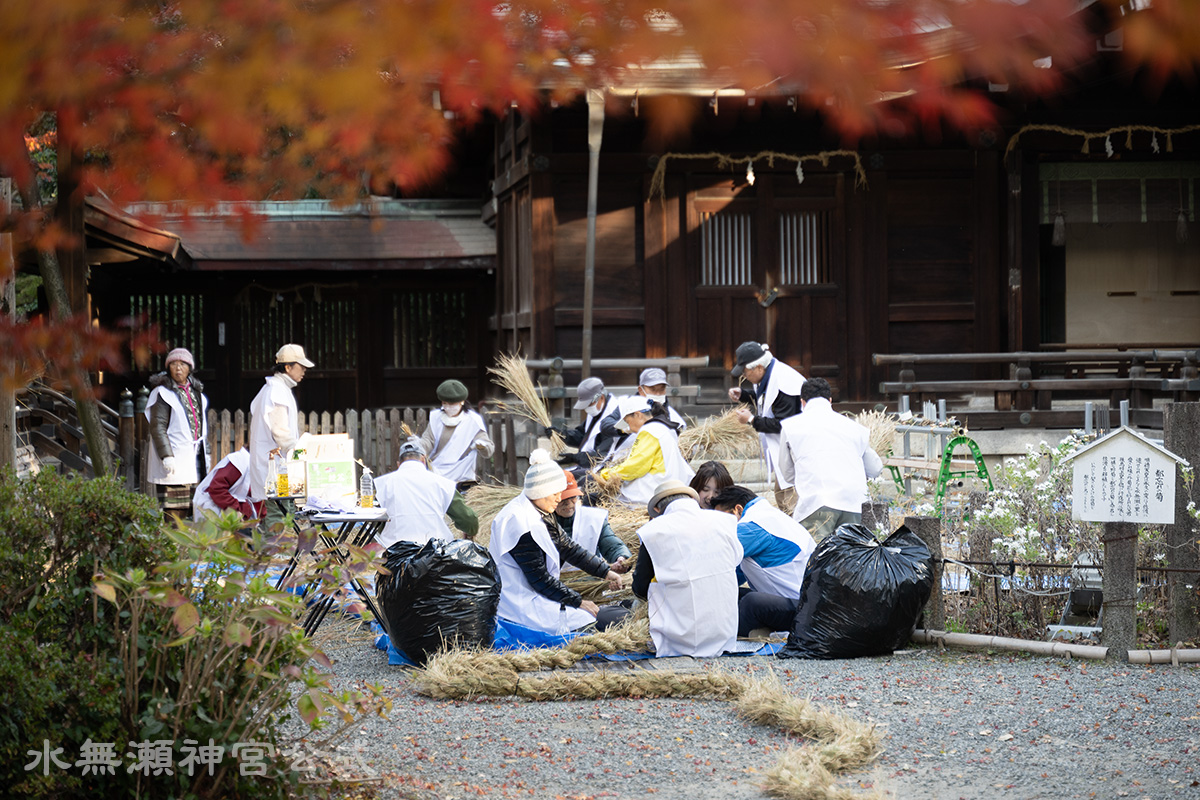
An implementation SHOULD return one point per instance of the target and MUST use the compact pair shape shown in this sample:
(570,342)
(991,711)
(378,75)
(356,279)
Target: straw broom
(719,438)
(511,374)
(882,427)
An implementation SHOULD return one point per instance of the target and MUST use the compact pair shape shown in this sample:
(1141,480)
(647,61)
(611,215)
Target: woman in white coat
(654,456)
(177,413)
(454,436)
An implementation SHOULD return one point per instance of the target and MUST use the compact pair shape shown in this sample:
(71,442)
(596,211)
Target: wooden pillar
(8,306)
(127,437)
(1181,435)
(1119,632)
(929,529)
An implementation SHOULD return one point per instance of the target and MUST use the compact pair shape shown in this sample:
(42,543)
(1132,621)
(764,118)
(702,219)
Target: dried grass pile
(511,374)
(719,438)
(487,500)
(882,426)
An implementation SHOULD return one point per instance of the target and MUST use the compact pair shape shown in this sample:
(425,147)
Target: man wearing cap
(596,435)
(455,434)
(274,420)
(654,455)
(227,487)
(176,411)
(529,549)
(589,527)
(417,502)
(652,385)
(687,574)
(772,389)
(775,553)
(829,459)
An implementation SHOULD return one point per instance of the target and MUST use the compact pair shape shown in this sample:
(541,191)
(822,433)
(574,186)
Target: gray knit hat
(544,477)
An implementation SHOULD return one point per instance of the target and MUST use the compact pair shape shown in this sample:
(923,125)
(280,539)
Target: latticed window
(180,320)
(429,328)
(804,247)
(328,331)
(726,248)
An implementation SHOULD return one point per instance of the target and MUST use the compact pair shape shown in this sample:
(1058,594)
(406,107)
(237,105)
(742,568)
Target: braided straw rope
(726,161)
(1088,136)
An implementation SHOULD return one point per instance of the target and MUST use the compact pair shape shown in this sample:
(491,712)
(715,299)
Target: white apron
(789,381)
(783,580)
(416,501)
(202,501)
(519,603)
(638,491)
(456,460)
(273,393)
(693,599)
(589,440)
(585,530)
(179,433)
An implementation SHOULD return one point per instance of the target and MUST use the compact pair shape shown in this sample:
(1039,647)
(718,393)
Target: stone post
(929,529)
(1119,632)
(1181,435)
(875,516)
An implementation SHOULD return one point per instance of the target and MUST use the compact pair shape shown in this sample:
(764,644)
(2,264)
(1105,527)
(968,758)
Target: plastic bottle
(281,480)
(366,489)
(272,486)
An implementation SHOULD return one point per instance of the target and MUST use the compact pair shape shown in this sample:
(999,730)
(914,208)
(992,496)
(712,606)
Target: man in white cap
(687,573)
(654,455)
(652,385)
(274,421)
(529,548)
(418,501)
(772,390)
(597,434)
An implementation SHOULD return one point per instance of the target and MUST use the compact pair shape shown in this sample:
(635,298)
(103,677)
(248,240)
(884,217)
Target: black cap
(747,352)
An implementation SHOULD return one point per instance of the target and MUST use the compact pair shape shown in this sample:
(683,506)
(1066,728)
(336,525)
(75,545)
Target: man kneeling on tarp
(686,571)
(529,548)
(775,554)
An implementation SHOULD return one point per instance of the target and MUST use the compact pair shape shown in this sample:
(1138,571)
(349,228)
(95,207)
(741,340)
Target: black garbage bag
(438,594)
(860,597)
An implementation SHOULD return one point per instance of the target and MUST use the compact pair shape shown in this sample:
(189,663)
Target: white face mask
(452,414)
(593,411)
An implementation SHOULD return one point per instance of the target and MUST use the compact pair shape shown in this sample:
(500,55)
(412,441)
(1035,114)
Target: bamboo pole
(922,636)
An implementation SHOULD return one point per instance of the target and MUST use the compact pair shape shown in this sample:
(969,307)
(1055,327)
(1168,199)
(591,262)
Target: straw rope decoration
(511,374)
(726,161)
(838,743)
(1088,136)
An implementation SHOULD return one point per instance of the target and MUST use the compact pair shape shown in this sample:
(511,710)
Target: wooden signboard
(1124,477)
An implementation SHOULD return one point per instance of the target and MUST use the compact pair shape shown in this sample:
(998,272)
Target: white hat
(544,477)
(632,403)
(292,354)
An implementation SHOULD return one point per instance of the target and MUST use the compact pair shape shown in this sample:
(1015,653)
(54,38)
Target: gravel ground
(956,725)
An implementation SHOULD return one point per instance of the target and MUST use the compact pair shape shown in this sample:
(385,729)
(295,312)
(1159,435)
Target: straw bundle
(719,438)
(487,500)
(882,427)
(407,431)
(512,375)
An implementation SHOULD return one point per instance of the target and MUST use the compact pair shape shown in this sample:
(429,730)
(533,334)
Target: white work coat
(693,599)
(782,379)
(829,459)
(585,529)
(202,501)
(594,426)
(519,602)
(638,491)
(782,580)
(273,393)
(179,434)
(456,460)
(416,501)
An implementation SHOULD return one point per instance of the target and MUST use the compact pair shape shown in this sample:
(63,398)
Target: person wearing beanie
(454,435)
(275,423)
(653,457)
(176,411)
(417,502)
(530,547)
(589,527)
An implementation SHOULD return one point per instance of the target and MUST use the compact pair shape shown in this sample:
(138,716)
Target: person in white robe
(275,424)
(455,436)
(653,457)
(687,574)
(177,413)
(417,502)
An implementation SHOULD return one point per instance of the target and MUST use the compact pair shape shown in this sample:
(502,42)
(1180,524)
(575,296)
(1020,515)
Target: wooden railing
(1034,379)
(557,393)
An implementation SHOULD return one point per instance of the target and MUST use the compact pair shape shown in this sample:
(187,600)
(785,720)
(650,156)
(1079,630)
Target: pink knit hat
(181,354)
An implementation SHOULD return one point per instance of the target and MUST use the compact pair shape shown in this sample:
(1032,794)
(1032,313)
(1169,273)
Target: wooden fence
(378,435)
